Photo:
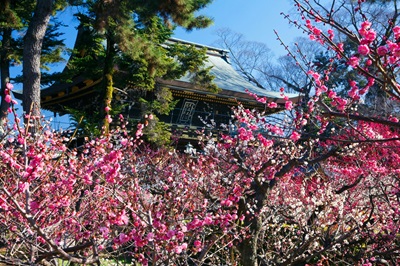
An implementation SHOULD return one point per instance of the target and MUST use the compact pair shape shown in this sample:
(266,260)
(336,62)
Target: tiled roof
(226,77)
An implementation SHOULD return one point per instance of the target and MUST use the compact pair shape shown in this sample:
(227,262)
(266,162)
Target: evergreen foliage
(125,44)
(15,18)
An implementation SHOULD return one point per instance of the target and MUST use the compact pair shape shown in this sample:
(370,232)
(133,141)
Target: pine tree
(129,35)
(9,21)
(15,17)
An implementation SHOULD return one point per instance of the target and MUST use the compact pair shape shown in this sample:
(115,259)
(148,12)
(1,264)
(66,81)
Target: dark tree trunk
(4,63)
(248,248)
(4,72)
(31,56)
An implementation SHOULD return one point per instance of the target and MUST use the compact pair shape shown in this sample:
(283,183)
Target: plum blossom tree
(113,196)
(250,196)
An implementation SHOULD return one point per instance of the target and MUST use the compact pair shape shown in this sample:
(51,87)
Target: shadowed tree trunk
(248,248)
(5,72)
(31,55)
(4,62)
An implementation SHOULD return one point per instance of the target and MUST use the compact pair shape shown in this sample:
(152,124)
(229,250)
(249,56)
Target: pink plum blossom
(9,86)
(366,25)
(353,61)
(7,98)
(340,47)
(396,31)
(295,136)
(109,119)
(382,50)
(363,49)
(370,36)
(331,34)
(288,105)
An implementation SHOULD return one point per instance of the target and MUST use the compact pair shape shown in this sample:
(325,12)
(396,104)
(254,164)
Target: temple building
(196,106)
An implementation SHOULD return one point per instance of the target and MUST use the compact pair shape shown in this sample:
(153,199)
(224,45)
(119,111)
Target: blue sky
(255,19)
